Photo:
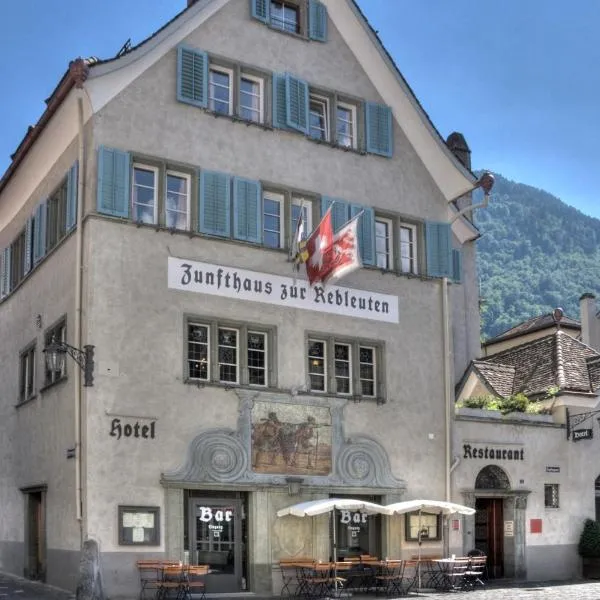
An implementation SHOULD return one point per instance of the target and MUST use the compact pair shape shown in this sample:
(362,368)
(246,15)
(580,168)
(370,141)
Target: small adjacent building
(530,476)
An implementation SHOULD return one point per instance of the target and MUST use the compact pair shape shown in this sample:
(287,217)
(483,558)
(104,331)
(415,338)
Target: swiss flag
(332,256)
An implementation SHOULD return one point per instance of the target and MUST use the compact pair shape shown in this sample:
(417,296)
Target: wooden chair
(389,577)
(194,582)
(475,572)
(172,583)
(150,575)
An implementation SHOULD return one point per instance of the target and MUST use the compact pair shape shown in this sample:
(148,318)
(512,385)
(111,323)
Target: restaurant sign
(241,284)
(493,451)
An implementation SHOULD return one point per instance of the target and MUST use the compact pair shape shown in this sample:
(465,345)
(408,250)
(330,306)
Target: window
(56,216)
(319,122)
(143,194)
(251,98)
(17,259)
(354,367)
(317,365)
(57,333)
(383,243)
(343,369)
(177,201)
(346,125)
(422,526)
(27,374)
(285,16)
(220,91)
(408,249)
(551,495)
(300,205)
(273,234)
(228,355)
(236,354)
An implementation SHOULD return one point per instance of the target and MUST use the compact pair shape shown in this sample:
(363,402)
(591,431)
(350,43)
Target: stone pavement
(16,588)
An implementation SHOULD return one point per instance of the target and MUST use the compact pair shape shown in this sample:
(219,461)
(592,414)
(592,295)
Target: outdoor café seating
(170,580)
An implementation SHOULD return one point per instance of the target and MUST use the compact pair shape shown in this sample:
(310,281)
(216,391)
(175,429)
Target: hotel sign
(240,284)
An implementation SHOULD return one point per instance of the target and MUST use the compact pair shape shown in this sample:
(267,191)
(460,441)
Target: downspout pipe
(448,402)
(78,302)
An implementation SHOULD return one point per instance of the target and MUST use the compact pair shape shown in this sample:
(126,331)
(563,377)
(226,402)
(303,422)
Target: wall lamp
(56,352)
(486,183)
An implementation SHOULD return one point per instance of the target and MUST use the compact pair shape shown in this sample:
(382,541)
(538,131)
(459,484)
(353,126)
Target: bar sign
(582,434)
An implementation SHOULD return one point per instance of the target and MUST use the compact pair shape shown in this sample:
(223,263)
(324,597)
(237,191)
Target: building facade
(149,214)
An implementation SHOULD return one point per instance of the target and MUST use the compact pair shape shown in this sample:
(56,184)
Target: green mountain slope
(535,253)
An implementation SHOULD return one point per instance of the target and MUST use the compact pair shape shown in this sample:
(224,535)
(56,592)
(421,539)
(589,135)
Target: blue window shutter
(247,210)
(378,119)
(28,241)
(340,213)
(296,99)
(215,203)
(5,273)
(113,182)
(366,232)
(456,265)
(439,249)
(39,232)
(261,9)
(192,76)
(317,21)
(71,214)
(279,102)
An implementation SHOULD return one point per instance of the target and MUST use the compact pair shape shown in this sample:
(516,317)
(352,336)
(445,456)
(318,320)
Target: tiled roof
(498,377)
(535,324)
(556,360)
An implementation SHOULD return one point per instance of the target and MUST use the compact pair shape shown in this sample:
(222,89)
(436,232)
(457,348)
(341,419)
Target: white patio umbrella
(330,505)
(429,506)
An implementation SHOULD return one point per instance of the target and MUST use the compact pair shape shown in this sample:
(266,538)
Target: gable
(346,66)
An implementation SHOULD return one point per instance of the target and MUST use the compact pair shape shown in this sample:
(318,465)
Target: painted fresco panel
(291,439)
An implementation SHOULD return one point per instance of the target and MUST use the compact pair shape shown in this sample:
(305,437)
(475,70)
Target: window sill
(356,399)
(53,384)
(299,36)
(228,386)
(22,403)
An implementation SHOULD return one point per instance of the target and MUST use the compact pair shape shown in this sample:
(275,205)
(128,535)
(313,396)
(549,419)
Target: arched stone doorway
(498,526)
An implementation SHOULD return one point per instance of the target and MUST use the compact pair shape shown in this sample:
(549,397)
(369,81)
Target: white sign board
(509,528)
(230,282)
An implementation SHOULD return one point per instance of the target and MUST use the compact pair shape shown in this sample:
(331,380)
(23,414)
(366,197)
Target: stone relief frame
(227,456)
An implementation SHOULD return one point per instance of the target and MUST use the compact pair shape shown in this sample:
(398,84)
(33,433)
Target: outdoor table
(452,572)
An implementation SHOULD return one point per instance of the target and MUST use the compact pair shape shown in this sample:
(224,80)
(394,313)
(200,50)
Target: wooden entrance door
(489,533)
(36,538)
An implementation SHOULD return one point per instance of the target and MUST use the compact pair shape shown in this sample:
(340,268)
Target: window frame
(278,197)
(390,242)
(49,336)
(182,175)
(56,215)
(411,521)
(27,366)
(156,171)
(243,330)
(553,489)
(325,104)
(355,344)
(303,203)
(297,6)
(414,261)
(223,71)
(261,86)
(354,112)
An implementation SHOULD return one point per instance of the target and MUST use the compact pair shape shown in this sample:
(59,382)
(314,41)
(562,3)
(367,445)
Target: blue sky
(519,78)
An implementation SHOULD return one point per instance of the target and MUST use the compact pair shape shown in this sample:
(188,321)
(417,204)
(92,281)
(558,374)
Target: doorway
(216,533)
(489,533)
(35,534)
